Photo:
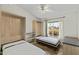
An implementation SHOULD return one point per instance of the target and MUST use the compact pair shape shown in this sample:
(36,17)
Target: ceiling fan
(44,8)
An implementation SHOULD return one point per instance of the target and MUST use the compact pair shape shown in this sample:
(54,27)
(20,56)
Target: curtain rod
(55,18)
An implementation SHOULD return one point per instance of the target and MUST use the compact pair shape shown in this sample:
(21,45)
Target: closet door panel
(11,28)
(37,27)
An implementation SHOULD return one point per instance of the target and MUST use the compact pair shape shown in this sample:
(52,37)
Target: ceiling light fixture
(43,8)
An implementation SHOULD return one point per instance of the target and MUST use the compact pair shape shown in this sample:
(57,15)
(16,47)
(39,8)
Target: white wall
(44,28)
(78,22)
(14,9)
(70,24)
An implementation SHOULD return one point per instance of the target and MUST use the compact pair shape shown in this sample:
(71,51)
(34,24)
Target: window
(53,28)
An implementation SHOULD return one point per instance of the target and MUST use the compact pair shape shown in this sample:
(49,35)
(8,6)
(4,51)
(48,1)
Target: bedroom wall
(14,9)
(71,24)
(44,26)
(78,24)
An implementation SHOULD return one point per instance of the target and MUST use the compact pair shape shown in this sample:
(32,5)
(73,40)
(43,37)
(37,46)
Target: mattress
(48,39)
(22,48)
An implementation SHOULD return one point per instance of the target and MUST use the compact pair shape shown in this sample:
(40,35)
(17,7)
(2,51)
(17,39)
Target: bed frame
(9,43)
(49,43)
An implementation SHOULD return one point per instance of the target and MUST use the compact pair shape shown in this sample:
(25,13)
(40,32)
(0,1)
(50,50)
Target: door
(37,27)
(11,28)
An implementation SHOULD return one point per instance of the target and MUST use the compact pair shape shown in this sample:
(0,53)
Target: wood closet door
(37,27)
(11,28)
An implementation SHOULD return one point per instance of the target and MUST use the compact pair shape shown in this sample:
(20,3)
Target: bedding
(49,40)
(22,48)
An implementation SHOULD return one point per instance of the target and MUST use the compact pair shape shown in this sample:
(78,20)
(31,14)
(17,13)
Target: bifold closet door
(11,28)
(37,27)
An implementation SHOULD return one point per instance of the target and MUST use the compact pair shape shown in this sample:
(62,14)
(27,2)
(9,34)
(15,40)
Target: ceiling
(53,10)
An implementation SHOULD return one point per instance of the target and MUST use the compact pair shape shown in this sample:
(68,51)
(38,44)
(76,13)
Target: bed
(48,40)
(21,48)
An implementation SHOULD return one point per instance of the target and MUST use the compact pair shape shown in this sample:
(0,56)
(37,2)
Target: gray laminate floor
(71,41)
